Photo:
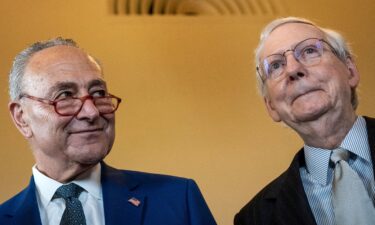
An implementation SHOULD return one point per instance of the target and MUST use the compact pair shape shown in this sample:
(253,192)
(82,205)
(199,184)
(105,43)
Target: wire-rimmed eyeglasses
(308,52)
(72,106)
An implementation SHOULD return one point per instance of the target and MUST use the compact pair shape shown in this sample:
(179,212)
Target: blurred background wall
(190,104)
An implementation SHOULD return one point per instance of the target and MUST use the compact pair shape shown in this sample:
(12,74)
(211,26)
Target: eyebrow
(97,82)
(63,85)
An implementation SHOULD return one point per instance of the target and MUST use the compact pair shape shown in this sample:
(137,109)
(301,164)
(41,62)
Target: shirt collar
(46,187)
(358,146)
(317,159)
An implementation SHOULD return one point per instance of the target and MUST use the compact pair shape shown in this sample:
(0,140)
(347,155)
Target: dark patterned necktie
(73,214)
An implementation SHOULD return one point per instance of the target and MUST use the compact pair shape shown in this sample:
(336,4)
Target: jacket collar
(291,203)
(25,210)
(370,125)
(123,204)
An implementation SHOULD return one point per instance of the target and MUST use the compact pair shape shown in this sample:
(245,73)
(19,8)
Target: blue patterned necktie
(73,214)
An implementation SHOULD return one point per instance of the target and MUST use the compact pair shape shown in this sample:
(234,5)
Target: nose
(294,69)
(88,111)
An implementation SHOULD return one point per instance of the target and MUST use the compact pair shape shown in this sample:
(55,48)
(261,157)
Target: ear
(271,110)
(18,117)
(353,71)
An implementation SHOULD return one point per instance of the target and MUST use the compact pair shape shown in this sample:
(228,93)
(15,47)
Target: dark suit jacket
(165,200)
(283,201)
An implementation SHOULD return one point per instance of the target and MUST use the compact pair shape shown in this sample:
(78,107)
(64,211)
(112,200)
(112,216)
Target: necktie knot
(339,154)
(68,191)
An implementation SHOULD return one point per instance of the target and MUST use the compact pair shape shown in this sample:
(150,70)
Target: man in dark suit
(308,79)
(61,105)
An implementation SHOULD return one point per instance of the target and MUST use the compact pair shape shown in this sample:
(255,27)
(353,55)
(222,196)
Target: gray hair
(334,38)
(21,60)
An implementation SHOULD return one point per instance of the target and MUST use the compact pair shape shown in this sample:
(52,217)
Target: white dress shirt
(92,200)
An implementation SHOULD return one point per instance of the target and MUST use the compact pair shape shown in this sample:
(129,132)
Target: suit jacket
(164,200)
(284,201)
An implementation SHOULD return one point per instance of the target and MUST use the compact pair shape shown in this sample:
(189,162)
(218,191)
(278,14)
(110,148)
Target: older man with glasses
(60,103)
(308,79)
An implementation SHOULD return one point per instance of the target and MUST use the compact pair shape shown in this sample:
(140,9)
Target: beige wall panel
(190,105)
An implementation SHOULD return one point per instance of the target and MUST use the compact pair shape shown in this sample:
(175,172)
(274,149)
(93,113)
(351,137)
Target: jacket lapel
(370,125)
(291,206)
(122,204)
(26,209)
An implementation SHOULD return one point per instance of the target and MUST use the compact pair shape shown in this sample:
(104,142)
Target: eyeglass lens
(307,52)
(72,106)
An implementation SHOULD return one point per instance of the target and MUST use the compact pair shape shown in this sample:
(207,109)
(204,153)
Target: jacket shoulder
(9,207)
(169,198)
(13,202)
(154,179)
(146,182)
(260,207)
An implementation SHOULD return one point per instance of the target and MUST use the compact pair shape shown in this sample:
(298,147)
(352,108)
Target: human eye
(274,66)
(99,93)
(309,51)
(64,95)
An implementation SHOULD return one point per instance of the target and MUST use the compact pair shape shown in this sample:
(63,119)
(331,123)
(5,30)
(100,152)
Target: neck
(62,172)
(327,132)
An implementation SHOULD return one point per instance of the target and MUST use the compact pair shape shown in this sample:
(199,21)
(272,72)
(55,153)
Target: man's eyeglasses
(308,52)
(71,106)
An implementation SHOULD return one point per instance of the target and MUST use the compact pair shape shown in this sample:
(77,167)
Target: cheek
(42,124)
(276,92)
(54,127)
(336,82)
(52,130)
(109,120)
(110,130)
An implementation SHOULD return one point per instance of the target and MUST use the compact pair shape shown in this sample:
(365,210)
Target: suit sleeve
(241,219)
(199,213)
(256,212)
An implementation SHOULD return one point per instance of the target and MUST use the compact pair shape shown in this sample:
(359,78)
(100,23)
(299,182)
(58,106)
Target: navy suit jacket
(164,200)
(284,201)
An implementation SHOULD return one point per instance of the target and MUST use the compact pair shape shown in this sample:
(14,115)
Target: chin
(89,161)
(310,112)
(309,116)
(90,156)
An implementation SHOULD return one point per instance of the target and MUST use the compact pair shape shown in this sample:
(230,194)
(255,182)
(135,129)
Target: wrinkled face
(55,73)
(305,93)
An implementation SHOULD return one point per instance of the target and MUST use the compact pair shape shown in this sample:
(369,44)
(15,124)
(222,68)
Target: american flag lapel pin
(134,201)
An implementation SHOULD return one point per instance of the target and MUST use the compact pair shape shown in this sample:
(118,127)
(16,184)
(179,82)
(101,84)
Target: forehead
(54,65)
(287,36)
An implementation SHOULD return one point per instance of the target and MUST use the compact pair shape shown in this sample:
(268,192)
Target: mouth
(304,92)
(86,131)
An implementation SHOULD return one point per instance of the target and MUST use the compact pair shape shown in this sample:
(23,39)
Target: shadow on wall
(194,7)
